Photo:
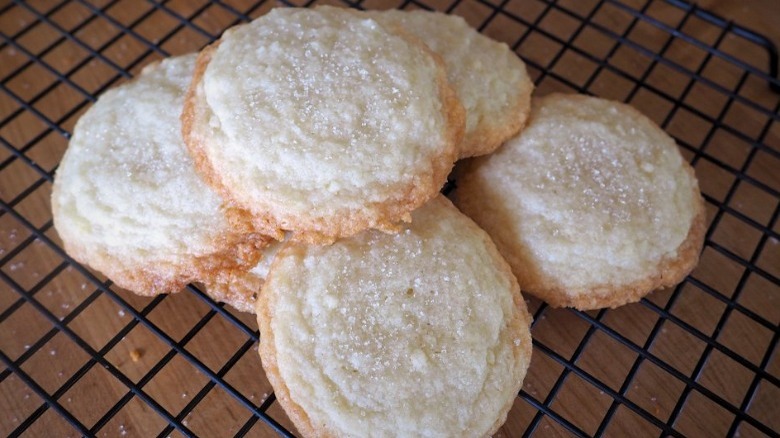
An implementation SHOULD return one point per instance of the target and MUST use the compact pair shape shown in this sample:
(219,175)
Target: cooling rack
(83,357)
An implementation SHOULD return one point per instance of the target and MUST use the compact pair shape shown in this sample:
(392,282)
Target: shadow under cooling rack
(83,357)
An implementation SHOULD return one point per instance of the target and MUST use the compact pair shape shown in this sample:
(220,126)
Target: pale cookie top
(591,197)
(323,121)
(421,333)
(489,78)
(126,198)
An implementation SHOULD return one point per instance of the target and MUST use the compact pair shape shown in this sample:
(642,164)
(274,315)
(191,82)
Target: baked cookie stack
(293,167)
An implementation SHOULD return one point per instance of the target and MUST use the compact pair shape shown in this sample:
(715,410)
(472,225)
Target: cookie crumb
(136,354)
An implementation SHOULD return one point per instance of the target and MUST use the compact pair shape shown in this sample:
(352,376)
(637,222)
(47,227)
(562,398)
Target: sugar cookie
(420,333)
(490,80)
(317,131)
(592,205)
(126,199)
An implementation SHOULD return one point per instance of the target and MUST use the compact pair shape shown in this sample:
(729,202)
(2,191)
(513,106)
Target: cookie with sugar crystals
(420,333)
(489,78)
(314,130)
(592,204)
(126,199)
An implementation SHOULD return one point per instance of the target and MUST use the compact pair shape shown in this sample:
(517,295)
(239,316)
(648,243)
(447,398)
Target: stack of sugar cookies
(293,167)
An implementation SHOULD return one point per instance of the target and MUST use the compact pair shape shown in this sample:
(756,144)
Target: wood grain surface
(75,347)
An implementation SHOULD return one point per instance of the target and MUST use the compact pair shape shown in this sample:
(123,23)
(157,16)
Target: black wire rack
(83,357)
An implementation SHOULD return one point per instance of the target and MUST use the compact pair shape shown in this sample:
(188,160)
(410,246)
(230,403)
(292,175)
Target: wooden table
(77,351)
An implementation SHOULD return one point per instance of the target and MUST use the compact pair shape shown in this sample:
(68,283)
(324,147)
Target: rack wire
(83,357)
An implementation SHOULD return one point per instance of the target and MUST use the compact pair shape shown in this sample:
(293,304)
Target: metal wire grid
(557,56)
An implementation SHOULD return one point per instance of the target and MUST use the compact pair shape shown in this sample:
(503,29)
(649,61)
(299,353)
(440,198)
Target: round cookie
(420,333)
(126,199)
(316,131)
(592,205)
(490,80)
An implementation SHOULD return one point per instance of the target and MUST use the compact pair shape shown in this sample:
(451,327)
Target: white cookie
(420,333)
(126,199)
(592,204)
(489,78)
(322,122)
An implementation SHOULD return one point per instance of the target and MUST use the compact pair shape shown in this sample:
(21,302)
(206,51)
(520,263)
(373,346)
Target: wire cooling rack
(82,357)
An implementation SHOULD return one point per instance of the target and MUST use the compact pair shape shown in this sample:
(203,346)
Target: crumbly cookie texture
(420,333)
(489,78)
(240,287)
(316,131)
(592,205)
(126,199)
